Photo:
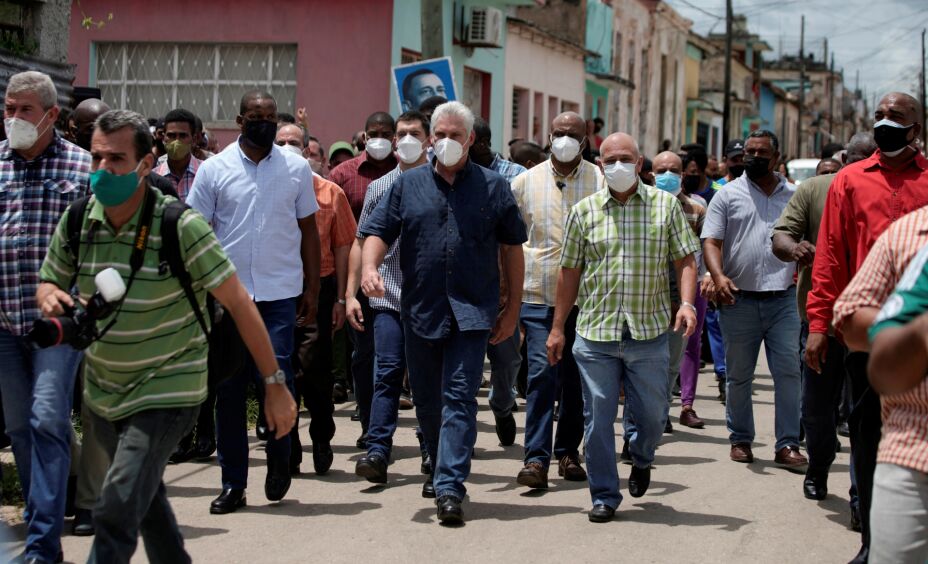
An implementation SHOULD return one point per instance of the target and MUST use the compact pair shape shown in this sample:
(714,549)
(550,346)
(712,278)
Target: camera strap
(142,235)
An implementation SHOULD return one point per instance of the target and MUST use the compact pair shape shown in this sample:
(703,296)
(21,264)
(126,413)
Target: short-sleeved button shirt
(182,182)
(254,209)
(742,216)
(334,221)
(450,237)
(622,250)
(33,195)
(154,356)
(905,415)
(390,270)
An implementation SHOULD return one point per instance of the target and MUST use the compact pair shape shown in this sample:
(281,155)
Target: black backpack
(169,254)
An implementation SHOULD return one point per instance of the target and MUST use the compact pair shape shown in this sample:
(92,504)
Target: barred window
(207,79)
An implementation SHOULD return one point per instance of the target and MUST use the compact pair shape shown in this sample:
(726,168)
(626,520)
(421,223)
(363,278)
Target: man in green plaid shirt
(614,266)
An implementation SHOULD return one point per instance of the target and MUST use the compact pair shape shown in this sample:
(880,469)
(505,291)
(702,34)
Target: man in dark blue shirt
(458,222)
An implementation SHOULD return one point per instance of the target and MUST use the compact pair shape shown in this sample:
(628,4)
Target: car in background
(801,169)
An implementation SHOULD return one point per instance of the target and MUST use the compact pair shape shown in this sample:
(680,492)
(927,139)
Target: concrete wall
(343,57)
(542,67)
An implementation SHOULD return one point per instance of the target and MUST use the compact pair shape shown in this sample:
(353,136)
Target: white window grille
(207,79)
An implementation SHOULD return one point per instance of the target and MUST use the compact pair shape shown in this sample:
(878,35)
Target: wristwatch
(342,301)
(276,378)
(689,305)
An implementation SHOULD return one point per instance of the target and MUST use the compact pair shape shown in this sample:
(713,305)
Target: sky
(880,38)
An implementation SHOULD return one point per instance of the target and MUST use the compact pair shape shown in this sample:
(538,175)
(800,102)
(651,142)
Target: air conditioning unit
(486,27)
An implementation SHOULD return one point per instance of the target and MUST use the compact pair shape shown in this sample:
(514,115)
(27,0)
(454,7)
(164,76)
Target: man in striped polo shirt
(145,377)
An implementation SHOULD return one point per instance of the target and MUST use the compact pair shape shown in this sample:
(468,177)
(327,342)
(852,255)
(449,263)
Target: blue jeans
(543,381)
(505,361)
(445,375)
(37,388)
(390,347)
(362,362)
(604,366)
(745,324)
(716,343)
(279,317)
(133,499)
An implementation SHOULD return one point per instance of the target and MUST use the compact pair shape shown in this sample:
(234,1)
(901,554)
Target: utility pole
(924,107)
(831,99)
(726,104)
(433,41)
(802,86)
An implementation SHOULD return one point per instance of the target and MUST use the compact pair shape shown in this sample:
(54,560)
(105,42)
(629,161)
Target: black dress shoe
(227,502)
(668,427)
(83,523)
(339,392)
(322,458)
(372,468)
(182,453)
(361,443)
(356,415)
(37,560)
(855,518)
(261,432)
(205,447)
(506,430)
(601,513)
(426,466)
(276,484)
(428,487)
(69,508)
(449,510)
(815,487)
(639,481)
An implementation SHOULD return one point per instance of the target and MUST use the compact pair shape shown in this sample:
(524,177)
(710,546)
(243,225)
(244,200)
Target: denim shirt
(450,237)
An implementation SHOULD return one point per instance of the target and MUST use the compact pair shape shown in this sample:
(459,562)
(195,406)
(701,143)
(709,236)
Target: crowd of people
(177,274)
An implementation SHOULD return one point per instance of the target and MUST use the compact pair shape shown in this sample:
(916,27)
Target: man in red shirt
(864,199)
(354,176)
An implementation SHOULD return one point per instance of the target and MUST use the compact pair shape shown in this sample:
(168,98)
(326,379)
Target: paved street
(701,507)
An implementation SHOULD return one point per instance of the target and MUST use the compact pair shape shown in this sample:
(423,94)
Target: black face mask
(260,133)
(690,183)
(891,139)
(736,170)
(757,167)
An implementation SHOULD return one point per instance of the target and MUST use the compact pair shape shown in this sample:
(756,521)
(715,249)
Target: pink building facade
(333,58)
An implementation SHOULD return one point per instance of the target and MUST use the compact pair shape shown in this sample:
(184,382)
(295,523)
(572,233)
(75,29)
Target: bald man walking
(863,201)
(614,267)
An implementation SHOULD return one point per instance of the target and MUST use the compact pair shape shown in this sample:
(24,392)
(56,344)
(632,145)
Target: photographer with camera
(146,364)
(40,175)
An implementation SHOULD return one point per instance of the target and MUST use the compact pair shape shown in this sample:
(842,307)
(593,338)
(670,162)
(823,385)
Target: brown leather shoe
(791,459)
(569,468)
(688,418)
(741,452)
(534,476)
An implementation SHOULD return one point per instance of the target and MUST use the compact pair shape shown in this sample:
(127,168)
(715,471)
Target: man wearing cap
(339,152)
(734,163)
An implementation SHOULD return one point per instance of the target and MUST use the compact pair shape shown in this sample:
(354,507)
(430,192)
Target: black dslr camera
(78,326)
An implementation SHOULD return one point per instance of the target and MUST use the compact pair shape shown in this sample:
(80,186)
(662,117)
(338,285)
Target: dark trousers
(362,362)
(133,499)
(866,424)
(279,317)
(390,344)
(821,397)
(312,364)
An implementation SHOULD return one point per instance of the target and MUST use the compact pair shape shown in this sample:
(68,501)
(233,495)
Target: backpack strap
(170,255)
(76,212)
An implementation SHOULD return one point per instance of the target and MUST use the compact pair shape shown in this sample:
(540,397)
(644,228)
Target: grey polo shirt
(743,217)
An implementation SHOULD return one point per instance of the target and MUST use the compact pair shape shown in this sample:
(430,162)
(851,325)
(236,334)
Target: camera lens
(51,332)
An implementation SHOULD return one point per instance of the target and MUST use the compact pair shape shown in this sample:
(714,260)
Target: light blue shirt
(254,209)
(742,216)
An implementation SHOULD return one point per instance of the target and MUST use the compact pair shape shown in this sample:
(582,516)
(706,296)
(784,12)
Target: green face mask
(113,189)
(177,150)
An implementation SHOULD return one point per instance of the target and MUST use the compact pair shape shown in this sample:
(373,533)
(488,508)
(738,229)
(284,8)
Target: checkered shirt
(507,169)
(33,195)
(390,269)
(622,250)
(181,183)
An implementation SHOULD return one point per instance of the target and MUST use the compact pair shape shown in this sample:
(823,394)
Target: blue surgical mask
(113,189)
(668,182)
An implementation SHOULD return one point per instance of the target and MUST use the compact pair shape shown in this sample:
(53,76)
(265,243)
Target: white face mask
(448,151)
(409,149)
(621,177)
(378,148)
(565,149)
(292,148)
(21,133)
